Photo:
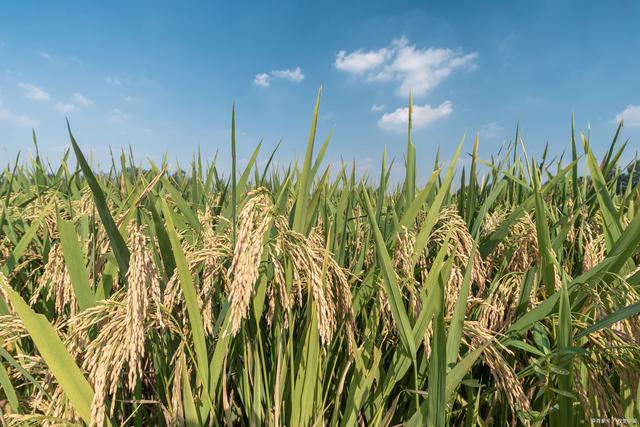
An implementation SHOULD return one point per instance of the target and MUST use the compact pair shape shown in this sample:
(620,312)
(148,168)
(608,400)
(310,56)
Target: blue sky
(163,76)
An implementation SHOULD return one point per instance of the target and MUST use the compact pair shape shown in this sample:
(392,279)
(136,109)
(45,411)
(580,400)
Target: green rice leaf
(55,355)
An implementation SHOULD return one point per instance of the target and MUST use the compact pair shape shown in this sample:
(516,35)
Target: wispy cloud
(81,100)
(491,130)
(117,81)
(630,115)
(65,107)
(33,92)
(46,56)
(77,101)
(377,107)
(118,117)
(22,120)
(414,69)
(291,74)
(421,116)
(18,119)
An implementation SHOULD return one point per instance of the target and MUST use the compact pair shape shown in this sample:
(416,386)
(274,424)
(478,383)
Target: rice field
(298,297)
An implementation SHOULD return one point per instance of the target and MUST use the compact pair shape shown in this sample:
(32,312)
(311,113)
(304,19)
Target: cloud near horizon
(422,116)
(77,102)
(22,120)
(33,92)
(630,115)
(416,70)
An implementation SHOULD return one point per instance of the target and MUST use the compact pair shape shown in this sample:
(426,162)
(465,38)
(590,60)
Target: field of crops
(140,296)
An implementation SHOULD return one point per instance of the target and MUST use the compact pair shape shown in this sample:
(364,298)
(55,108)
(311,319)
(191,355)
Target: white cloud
(377,107)
(65,108)
(127,98)
(291,74)
(630,115)
(118,117)
(294,74)
(421,116)
(415,69)
(262,79)
(81,100)
(45,55)
(491,130)
(359,61)
(33,92)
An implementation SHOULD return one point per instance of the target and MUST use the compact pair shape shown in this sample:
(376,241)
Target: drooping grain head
(57,283)
(253,222)
(594,244)
(142,280)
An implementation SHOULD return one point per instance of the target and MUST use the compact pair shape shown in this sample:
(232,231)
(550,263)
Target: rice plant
(298,297)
